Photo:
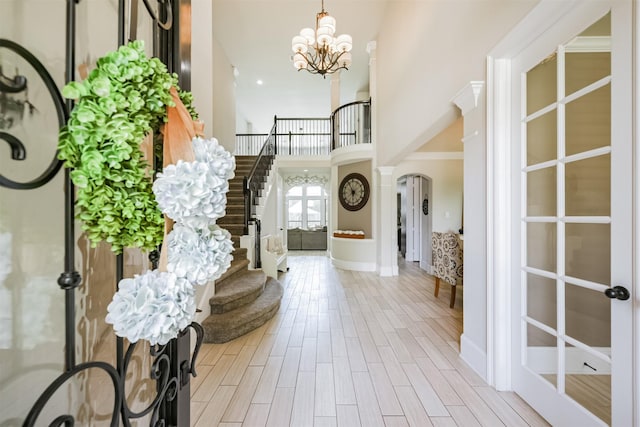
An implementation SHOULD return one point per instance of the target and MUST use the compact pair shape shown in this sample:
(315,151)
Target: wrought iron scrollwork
(67,419)
(166,25)
(18,84)
(167,386)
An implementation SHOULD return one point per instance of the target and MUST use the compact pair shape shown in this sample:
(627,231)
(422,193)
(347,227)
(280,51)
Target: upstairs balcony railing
(348,125)
(351,124)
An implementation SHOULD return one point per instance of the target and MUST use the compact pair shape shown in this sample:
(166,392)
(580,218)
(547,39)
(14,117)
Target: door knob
(617,292)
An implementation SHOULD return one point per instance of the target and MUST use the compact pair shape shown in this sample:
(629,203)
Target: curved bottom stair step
(220,328)
(237,291)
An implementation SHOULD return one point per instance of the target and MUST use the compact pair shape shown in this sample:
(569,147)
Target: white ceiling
(256,37)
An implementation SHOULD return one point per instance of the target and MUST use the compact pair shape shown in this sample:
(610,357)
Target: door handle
(617,292)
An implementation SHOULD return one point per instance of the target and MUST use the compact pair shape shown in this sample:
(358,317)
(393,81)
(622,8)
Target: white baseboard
(203,294)
(474,356)
(388,271)
(353,265)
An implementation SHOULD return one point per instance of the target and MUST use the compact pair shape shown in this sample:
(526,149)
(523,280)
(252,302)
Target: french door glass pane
(584,68)
(588,187)
(588,382)
(541,299)
(587,316)
(541,246)
(542,138)
(542,83)
(541,192)
(588,252)
(588,121)
(542,353)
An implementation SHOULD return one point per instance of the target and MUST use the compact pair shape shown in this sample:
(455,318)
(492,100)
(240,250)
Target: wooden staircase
(243,300)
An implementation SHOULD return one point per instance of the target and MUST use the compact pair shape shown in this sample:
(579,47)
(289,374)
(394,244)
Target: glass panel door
(570,229)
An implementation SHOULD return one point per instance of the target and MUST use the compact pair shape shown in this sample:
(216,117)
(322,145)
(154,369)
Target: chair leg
(453,296)
(435,293)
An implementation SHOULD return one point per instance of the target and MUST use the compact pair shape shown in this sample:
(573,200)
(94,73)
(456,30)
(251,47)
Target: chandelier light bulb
(299,44)
(309,35)
(324,36)
(345,59)
(328,22)
(299,61)
(344,43)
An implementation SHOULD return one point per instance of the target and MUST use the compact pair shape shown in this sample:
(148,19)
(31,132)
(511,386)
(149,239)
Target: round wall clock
(353,192)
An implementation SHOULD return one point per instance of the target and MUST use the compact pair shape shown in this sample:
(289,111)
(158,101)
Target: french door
(572,165)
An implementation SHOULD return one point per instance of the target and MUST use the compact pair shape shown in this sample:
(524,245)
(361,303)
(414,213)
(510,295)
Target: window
(306,206)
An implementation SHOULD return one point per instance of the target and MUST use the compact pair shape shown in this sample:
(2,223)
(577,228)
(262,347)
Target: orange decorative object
(179,132)
(349,236)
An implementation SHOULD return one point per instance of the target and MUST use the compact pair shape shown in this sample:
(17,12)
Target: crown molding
(467,98)
(589,44)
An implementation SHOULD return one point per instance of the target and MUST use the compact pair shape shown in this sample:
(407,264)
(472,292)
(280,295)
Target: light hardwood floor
(350,349)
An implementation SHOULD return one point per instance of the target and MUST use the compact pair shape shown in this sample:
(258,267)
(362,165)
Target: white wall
(223,122)
(423,62)
(446,179)
(202,64)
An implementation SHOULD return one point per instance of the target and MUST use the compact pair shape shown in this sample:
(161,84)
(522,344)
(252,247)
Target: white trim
(387,271)
(474,356)
(471,137)
(636,203)
(353,265)
(436,155)
(589,44)
(543,360)
(467,98)
(499,223)
(352,154)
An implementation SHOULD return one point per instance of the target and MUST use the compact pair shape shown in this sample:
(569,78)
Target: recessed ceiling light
(306,170)
(259,82)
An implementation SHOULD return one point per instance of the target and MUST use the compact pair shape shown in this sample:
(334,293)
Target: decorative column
(386,228)
(473,342)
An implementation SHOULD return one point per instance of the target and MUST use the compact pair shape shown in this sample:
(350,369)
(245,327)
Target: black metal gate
(172,364)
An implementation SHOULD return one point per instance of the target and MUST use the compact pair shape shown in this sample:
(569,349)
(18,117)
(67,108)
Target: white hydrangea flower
(199,255)
(220,161)
(190,193)
(154,306)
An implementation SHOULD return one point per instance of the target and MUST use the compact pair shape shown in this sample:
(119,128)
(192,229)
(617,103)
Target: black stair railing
(348,125)
(253,184)
(351,124)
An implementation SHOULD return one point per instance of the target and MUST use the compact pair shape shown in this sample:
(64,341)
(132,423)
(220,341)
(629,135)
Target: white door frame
(537,25)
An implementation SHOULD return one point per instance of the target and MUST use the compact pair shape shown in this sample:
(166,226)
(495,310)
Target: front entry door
(572,344)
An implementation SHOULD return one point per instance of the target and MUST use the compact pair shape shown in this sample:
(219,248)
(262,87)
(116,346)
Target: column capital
(467,98)
(385,170)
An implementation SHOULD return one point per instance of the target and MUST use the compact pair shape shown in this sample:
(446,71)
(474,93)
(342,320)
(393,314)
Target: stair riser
(224,308)
(226,335)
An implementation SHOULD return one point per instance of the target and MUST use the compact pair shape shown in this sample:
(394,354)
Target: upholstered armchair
(447,261)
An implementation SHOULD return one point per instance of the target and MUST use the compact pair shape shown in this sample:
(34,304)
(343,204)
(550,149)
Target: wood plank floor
(350,349)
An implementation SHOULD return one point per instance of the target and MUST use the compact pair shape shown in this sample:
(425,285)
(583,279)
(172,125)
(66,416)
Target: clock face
(354,192)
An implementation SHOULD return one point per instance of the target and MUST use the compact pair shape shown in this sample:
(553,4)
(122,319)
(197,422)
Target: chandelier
(318,51)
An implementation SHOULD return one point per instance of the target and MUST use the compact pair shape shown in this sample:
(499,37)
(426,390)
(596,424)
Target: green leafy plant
(120,102)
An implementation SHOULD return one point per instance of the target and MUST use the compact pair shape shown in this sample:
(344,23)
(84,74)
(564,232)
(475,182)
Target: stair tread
(238,286)
(224,327)
(236,266)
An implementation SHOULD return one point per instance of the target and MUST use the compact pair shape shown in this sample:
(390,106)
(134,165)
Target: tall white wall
(224,99)
(202,75)
(422,62)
